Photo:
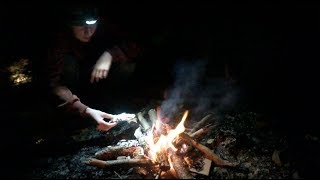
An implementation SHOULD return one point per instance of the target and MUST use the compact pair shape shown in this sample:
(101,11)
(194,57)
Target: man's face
(84,33)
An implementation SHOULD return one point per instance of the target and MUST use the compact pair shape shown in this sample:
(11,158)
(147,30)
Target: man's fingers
(93,76)
(100,74)
(105,73)
(112,124)
(107,116)
(105,126)
(96,75)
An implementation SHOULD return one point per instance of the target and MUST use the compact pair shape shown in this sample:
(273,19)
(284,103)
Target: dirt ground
(240,137)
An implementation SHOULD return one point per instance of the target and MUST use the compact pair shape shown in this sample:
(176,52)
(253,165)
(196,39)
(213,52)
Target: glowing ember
(165,141)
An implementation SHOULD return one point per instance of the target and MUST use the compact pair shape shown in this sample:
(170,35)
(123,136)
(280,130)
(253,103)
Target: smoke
(193,90)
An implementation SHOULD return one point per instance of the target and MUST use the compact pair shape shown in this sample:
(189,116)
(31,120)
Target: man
(80,60)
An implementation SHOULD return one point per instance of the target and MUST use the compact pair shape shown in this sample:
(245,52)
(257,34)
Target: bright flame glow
(165,141)
(91,22)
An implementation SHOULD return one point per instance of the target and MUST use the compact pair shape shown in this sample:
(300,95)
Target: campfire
(168,151)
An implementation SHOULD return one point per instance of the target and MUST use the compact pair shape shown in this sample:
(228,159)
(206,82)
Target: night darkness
(271,50)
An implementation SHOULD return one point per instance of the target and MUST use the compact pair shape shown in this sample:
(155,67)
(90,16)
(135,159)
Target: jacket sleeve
(62,95)
(125,51)
(122,45)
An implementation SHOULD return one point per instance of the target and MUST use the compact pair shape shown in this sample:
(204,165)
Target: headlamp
(91,22)
(83,17)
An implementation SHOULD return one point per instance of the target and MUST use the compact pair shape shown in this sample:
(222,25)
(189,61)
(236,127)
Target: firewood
(162,158)
(112,152)
(208,152)
(158,174)
(178,141)
(201,131)
(180,167)
(152,115)
(108,163)
(144,123)
(171,174)
(201,123)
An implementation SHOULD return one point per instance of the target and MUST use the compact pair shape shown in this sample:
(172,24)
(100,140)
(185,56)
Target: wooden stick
(112,152)
(171,174)
(152,115)
(162,158)
(105,164)
(180,167)
(144,123)
(195,135)
(208,152)
(158,174)
(201,123)
(201,131)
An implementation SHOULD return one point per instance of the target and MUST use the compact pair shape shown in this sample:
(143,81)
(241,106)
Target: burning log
(208,152)
(112,152)
(105,164)
(160,152)
(171,174)
(194,135)
(163,160)
(180,167)
(158,174)
(201,123)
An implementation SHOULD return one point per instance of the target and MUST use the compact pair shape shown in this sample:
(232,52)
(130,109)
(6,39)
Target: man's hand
(98,116)
(101,68)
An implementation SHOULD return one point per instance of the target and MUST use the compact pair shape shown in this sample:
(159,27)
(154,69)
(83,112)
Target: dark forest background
(271,49)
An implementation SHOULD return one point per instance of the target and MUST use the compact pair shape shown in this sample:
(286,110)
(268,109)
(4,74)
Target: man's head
(83,22)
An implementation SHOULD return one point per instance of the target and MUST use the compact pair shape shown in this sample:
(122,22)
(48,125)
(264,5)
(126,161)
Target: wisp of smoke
(191,87)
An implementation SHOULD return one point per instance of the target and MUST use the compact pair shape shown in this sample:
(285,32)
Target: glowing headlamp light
(91,22)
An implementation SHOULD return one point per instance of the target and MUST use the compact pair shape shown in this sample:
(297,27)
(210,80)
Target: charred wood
(180,167)
(202,131)
(201,123)
(208,153)
(162,158)
(112,152)
(105,164)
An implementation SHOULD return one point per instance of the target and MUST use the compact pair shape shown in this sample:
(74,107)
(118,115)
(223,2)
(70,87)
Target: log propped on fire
(112,152)
(208,153)
(180,167)
(108,163)
(170,159)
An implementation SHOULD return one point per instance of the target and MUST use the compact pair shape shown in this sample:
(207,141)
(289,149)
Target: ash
(71,166)
(68,161)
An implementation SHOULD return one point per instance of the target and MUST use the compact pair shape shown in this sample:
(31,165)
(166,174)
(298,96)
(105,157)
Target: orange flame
(165,141)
